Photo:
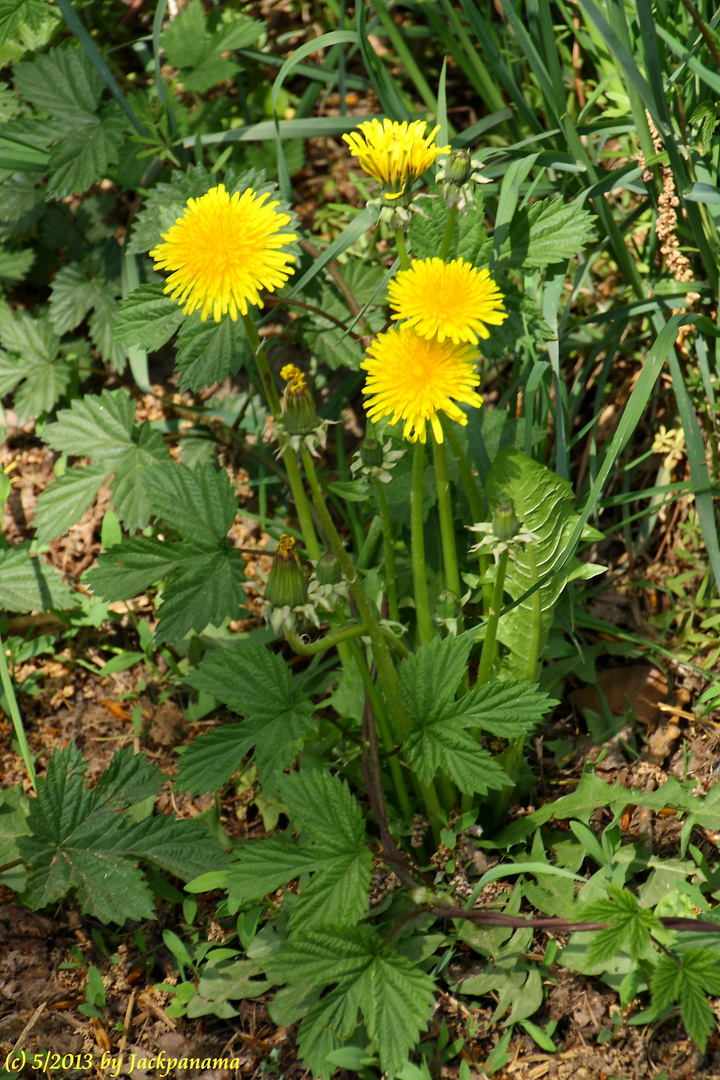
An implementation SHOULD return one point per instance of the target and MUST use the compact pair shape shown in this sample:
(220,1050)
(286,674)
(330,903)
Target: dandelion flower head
(447,300)
(394,154)
(223,250)
(412,378)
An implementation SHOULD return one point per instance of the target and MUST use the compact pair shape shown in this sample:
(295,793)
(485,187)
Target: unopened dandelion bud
(458,167)
(372,454)
(505,524)
(328,570)
(286,584)
(298,406)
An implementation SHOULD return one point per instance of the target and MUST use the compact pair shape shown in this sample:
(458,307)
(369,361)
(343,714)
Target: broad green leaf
(65,501)
(147,317)
(27,584)
(131,566)
(394,996)
(204,592)
(505,708)
(688,981)
(20,18)
(430,676)
(548,231)
(32,339)
(82,157)
(81,840)
(43,386)
(629,930)
(207,352)
(198,503)
(15,264)
(62,83)
(225,981)
(99,427)
(443,744)
(22,202)
(259,686)
(72,297)
(195,49)
(543,503)
(139,466)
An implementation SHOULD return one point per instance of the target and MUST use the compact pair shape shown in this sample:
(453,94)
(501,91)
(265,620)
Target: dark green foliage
(83,840)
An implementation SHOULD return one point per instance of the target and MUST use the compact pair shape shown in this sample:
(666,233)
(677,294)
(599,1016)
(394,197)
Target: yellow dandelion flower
(412,378)
(447,300)
(223,250)
(394,154)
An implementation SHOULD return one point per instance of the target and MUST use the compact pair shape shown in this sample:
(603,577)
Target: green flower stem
(488,650)
(402,249)
(384,731)
(328,642)
(15,714)
(447,238)
(447,525)
(474,501)
(385,666)
(291,466)
(422,602)
(389,548)
(536,627)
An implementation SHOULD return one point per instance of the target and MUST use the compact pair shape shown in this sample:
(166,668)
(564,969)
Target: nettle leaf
(22,19)
(147,317)
(629,930)
(470,240)
(524,323)
(104,428)
(42,376)
(544,504)
(81,290)
(331,847)
(22,202)
(16,264)
(62,83)
(32,339)
(190,45)
(548,231)
(427,230)
(208,351)
(166,202)
(429,680)
(393,995)
(81,158)
(82,840)
(258,685)
(204,574)
(26,584)
(688,981)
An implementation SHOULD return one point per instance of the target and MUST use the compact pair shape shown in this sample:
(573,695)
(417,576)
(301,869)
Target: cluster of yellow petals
(447,300)
(394,154)
(413,378)
(223,250)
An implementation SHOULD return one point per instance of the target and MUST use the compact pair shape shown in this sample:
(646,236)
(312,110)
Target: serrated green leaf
(43,386)
(228,980)
(203,592)
(102,324)
(18,18)
(131,566)
(207,352)
(544,504)
(147,317)
(81,840)
(393,995)
(427,230)
(548,231)
(629,930)
(688,982)
(22,202)
(133,473)
(62,83)
(98,427)
(198,503)
(15,265)
(82,157)
(474,244)
(192,47)
(258,685)
(440,744)
(508,709)
(32,339)
(430,676)
(72,297)
(26,584)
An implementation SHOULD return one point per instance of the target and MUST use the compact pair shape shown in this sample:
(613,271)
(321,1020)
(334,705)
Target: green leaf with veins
(278,714)
(688,980)
(27,584)
(331,847)
(103,428)
(81,839)
(192,47)
(630,926)
(429,679)
(148,317)
(207,352)
(544,505)
(203,572)
(61,83)
(83,156)
(393,995)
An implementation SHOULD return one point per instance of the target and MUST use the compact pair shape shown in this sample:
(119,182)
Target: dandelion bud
(372,454)
(286,584)
(298,407)
(328,571)
(458,167)
(505,524)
